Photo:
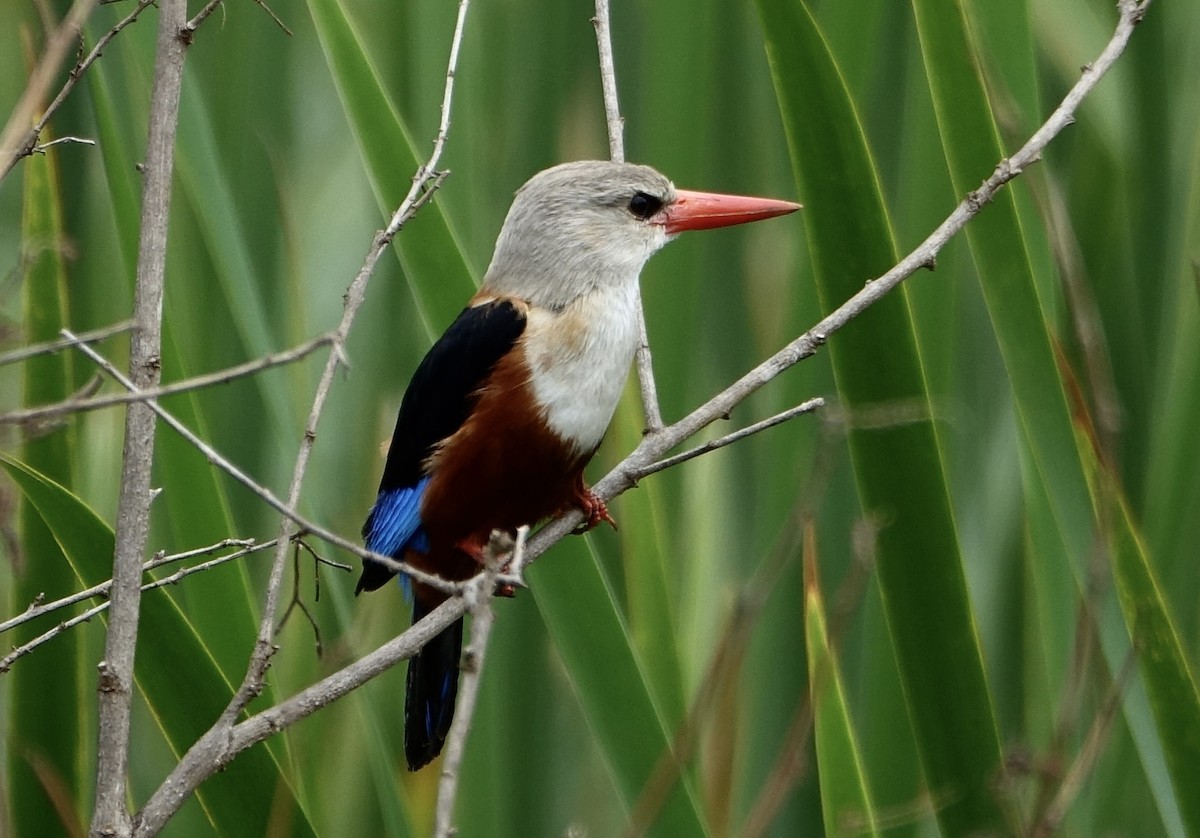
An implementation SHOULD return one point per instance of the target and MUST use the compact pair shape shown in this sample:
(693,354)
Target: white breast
(579,359)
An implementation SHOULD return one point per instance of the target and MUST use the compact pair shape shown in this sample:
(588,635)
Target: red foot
(474,548)
(594,509)
(477,550)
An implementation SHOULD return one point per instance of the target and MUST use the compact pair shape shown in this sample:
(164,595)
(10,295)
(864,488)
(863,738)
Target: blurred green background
(1002,493)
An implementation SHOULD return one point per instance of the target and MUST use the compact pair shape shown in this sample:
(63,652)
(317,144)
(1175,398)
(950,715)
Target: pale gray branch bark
(221,744)
(478,599)
(13,149)
(111,816)
(102,589)
(78,405)
(40,609)
(33,350)
(212,750)
(643,361)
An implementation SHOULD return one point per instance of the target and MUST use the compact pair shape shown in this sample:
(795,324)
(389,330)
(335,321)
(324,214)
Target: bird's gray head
(580,227)
(590,226)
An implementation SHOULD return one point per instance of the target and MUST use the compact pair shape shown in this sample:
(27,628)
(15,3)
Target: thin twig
(261,4)
(216,746)
(77,405)
(11,151)
(16,141)
(778,419)
(1052,819)
(427,179)
(192,25)
(40,148)
(39,609)
(643,362)
(297,602)
(35,349)
(110,816)
(99,590)
(608,83)
(479,602)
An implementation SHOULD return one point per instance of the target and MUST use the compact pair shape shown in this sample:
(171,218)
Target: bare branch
(12,150)
(102,589)
(221,744)
(40,148)
(192,25)
(778,419)
(643,361)
(38,609)
(278,22)
(33,350)
(77,405)
(1051,820)
(478,599)
(111,815)
(608,82)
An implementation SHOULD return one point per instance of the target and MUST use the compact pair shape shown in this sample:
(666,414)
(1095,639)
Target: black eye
(643,205)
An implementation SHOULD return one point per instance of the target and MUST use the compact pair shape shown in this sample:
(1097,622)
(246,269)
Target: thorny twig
(13,149)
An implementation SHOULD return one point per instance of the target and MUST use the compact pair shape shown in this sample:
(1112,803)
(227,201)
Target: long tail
(431,689)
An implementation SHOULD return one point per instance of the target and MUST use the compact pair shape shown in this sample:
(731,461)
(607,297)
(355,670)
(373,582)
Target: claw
(594,510)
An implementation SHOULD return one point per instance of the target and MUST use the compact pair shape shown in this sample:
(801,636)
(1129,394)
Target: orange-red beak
(705,210)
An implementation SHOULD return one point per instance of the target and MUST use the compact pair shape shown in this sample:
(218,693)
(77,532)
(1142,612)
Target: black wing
(438,400)
(444,387)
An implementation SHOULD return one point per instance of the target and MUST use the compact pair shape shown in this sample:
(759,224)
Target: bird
(512,401)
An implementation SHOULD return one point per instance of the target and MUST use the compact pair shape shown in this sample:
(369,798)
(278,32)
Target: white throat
(579,358)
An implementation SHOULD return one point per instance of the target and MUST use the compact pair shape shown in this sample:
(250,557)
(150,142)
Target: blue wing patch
(395,521)
(393,526)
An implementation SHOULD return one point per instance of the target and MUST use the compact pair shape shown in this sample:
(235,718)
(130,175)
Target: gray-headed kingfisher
(509,405)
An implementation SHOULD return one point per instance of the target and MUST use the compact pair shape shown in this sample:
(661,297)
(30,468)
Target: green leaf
(585,622)
(845,796)
(1000,251)
(1170,683)
(48,754)
(429,251)
(898,467)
